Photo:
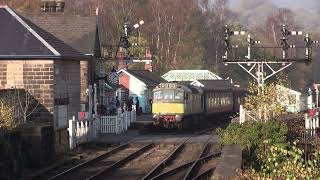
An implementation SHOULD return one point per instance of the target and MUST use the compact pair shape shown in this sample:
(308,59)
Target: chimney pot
(52,5)
(60,5)
(148,56)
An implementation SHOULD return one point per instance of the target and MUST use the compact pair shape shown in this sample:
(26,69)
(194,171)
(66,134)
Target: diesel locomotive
(182,105)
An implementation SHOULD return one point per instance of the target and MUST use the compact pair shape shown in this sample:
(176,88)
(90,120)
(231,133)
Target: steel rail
(205,130)
(87,163)
(184,166)
(195,165)
(164,162)
(121,162)
(205,175)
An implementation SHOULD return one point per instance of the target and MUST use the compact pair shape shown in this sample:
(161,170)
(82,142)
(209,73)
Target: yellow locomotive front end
(168,105)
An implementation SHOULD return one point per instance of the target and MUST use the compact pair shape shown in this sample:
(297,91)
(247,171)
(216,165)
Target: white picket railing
(245,115)
(84,131)
(117,123)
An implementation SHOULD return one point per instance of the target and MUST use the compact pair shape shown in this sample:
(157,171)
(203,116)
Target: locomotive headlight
(178,118)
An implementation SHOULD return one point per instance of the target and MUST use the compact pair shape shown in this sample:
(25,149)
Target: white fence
(245,115)
(311,123)
(83,131)
(117,123)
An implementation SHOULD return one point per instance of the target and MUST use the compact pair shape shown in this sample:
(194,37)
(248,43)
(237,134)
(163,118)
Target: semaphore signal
(259,65)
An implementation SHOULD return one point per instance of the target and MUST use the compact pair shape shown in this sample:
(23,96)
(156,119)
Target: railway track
(134,160)
(76,159)
(187,163)
(104,163)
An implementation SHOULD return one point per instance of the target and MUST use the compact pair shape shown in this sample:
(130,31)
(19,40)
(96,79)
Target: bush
(285,162)
(254,138)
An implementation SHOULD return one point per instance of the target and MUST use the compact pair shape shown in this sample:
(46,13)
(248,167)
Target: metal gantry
(262,69)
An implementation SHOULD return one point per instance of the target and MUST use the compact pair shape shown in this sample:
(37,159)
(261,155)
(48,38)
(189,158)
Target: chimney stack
(121,57)
(52,5)
(148,56)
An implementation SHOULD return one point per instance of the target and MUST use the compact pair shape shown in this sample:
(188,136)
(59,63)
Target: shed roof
(22,39)
(216,85)
(190,75)
(77,31)
(147,77)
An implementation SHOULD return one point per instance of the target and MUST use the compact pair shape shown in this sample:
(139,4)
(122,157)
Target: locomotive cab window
(157,95)
(178,95)
(168,94)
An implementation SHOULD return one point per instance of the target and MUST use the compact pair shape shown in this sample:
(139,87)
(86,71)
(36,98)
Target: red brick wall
(124,80)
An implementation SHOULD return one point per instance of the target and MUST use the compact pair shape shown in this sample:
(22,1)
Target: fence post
(72,133)
(242,115)
(306,121)
(119,121)
(125,122)
(96,127)
(95,100)
(90,101)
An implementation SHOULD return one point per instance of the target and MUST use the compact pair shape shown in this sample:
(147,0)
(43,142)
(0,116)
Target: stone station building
(48,68)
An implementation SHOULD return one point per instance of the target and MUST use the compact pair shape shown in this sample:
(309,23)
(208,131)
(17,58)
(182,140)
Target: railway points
(143,157)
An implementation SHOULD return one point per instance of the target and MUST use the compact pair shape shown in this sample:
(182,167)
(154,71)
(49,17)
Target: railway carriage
(180,105)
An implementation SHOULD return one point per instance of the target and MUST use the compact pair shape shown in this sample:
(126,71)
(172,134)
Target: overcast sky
(292,4)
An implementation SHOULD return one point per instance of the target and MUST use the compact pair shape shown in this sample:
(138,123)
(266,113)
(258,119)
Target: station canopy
(189,75)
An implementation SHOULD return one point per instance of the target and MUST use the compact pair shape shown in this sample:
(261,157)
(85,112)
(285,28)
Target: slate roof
(77,31)
(146,76)
(216,85)
(22,39)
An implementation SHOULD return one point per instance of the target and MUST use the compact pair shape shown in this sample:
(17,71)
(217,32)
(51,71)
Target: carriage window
(178,95)
(157,95)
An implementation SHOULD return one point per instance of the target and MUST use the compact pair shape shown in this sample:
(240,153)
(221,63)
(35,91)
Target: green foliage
(7,121)
(286,162)
(266,101)
(253,137)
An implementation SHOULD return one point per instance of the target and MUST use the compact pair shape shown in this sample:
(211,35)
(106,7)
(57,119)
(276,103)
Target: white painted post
(313,125)
(125,120)
(87,130)
(95,100)
(119,122)
(96,127)
(90,101)
(309,99)
(242,115)
(306,119)
(72,133)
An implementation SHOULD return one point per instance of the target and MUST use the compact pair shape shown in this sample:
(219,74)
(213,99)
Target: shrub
(254,138)
(285,162)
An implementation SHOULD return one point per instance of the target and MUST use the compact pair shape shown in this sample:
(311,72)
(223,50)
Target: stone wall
(36,77)
(67,84)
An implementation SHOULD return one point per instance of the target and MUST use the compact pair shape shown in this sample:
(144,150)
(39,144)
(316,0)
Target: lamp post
(309,99)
